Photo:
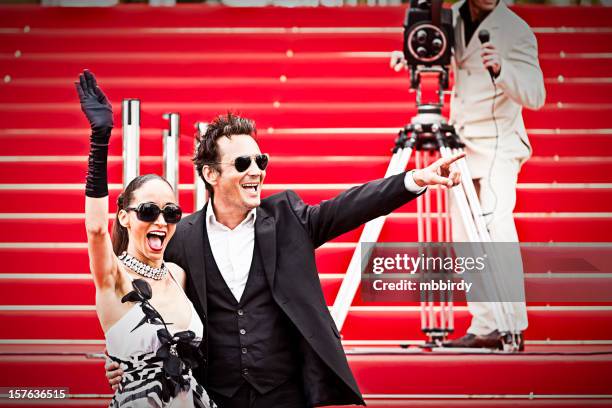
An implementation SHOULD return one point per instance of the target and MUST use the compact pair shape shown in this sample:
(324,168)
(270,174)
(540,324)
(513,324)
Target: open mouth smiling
(250,187)
(155,239)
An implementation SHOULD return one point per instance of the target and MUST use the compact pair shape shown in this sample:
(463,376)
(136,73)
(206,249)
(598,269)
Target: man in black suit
(270,340)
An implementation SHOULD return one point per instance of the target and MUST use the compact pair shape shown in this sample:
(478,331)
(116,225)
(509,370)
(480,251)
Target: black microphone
(484,37)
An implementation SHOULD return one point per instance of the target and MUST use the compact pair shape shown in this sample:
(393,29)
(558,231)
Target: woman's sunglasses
(148,212)
(242,163)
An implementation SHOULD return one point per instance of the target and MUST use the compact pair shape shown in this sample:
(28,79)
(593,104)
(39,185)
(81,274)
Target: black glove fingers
(91,83)
(80,92)
(84,86)
(97,92)
(96,107)
(91,78)
(96,89)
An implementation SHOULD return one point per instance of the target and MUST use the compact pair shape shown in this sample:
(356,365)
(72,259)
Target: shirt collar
(211,219)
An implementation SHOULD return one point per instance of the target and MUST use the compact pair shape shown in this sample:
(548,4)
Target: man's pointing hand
(441,172)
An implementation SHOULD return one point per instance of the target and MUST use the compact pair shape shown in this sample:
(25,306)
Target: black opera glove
(96,107)
(99,112)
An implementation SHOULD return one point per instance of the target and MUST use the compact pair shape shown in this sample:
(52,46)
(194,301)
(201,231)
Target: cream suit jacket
(519,84)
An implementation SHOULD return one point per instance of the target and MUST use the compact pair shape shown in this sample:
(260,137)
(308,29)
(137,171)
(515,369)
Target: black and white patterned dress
(156,358)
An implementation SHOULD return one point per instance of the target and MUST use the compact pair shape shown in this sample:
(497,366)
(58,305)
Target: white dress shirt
(233,249)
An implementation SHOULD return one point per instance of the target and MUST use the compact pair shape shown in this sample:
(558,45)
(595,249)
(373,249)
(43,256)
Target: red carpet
(328,108)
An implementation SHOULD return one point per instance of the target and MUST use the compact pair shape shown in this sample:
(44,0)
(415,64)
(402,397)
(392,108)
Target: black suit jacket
(288,231)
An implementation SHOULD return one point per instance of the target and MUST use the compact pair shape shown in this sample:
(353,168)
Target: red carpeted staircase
(328,108)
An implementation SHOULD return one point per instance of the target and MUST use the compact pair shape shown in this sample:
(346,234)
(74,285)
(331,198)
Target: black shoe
(492,340)
(470,340)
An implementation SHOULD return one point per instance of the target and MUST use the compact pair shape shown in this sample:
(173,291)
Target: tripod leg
(447,224)
(428,229)
(420,224)
(370,233)
(439,215)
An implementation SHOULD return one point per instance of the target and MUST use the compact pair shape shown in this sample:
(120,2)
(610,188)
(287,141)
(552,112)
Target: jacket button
(244,350)
(242,331)
(245,371)
(240,312)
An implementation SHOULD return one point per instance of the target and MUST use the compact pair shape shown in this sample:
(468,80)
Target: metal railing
(130,109)
(200,195)
(171,138)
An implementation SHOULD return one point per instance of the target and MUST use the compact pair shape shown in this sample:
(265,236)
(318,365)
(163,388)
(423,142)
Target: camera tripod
(426,135)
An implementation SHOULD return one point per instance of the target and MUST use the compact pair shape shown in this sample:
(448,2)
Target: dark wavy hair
(208,152)
(119,234)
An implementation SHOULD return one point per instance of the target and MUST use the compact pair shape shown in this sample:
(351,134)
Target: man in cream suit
(486,112)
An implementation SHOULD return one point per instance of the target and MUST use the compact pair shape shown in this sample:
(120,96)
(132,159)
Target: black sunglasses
(148,212)
(242,163)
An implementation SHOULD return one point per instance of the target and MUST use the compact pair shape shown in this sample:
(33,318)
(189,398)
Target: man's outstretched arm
(360,204)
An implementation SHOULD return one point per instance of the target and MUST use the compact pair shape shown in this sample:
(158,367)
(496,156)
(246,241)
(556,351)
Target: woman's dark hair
(208,152)
(119,234)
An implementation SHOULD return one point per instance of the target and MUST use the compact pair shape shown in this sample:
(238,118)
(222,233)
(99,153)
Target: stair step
(329,89)
(332,258)
(362,323)
(397,228)
(282,142)
(377,374)
(438,401)
(293,169)
(269,65)
(290,114)
(191,15)
(573,289)
(548,198)
(151,39)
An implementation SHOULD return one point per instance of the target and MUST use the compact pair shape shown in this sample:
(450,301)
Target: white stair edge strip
(293,186)
(396,215)
(283,80)
(270,130)
(347,343)
(284,159)
(487,396)
(260,56)
(301,106)
(379,309)
(84,342)
(46,276)
(412,342)
(322,276)
(429,396)
(43,245)
(263,30)
(328,245)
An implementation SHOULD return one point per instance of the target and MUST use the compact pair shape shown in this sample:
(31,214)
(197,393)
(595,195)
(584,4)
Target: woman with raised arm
(152,330)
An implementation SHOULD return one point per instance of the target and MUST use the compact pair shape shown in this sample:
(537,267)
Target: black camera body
(428,34)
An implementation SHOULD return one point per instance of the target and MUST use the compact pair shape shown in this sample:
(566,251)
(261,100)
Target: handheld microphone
(484,37)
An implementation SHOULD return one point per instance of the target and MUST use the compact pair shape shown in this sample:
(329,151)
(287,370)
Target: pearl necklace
(142,268)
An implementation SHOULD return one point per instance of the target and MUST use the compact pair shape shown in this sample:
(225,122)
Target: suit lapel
(265,234)
(194,249)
